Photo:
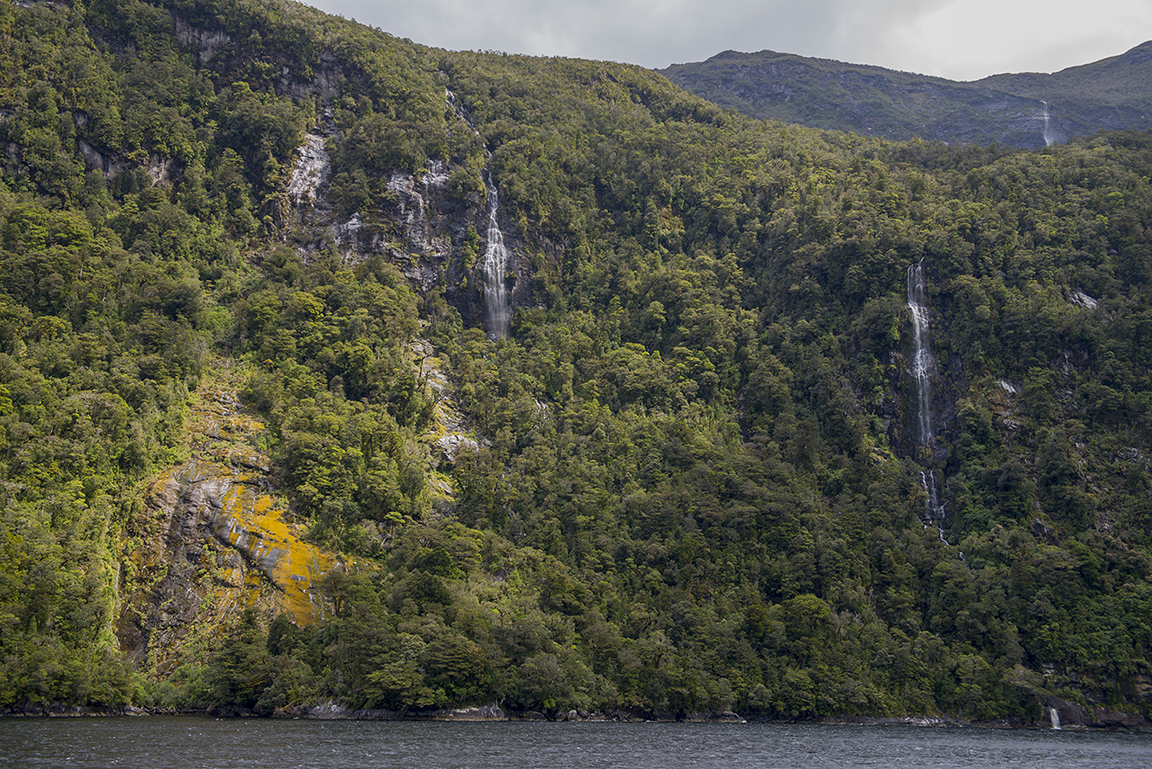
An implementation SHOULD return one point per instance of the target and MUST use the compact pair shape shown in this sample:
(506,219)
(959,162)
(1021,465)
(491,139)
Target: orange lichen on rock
(251,525)
(210,541)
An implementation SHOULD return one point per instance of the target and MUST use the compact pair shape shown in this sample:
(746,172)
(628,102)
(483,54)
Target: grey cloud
(899,34)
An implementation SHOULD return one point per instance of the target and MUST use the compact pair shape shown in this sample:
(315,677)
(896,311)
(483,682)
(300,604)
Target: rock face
(330,711)
(310,172)
(1072,716)
(210,541)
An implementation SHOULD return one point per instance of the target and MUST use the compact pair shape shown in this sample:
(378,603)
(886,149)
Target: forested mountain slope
(1028,110)
(689,476)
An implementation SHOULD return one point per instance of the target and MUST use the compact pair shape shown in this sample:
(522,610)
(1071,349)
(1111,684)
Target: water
(1048,140)
(921,353)
(922,381)
(494,263)
(204,743)
(497,304)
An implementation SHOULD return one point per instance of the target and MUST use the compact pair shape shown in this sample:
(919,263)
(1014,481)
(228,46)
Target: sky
(955,39)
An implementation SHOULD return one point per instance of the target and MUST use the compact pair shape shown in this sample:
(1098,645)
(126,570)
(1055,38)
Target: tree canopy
(695,482)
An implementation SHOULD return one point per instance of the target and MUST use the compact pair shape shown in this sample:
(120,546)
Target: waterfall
(921,353)
(1048,140)
(1054,717)
(921,371)
(932,489)
(454,107)
(494,264)
(497,303)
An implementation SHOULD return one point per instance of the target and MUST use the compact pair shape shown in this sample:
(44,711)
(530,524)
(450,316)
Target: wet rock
(1072,716)
(716,717)
(491,712)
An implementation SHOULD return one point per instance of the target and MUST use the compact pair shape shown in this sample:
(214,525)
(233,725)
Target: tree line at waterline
(696,481)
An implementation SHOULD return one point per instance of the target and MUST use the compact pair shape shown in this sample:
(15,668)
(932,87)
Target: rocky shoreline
(1071,716)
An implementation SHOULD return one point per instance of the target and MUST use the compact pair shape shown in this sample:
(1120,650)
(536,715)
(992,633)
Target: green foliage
(696,485)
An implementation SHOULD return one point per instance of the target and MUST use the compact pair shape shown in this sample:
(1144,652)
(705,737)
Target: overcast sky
(956,39)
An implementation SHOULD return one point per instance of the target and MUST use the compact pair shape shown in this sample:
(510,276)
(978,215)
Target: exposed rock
(211,541)
(94,159)
(532,715)
(325,83)
(1073,716)
(716,717)
(204,43)
(450,431)
(1043,531)
(56,710)
(491,712)
(310,172)
(333,712)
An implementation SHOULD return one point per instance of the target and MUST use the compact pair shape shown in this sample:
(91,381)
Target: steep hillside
(1023,110)
(556,387)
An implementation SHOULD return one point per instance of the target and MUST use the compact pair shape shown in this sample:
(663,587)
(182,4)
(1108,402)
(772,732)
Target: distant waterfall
(1048,139)
(921,353)
(455,108)
(1054,718)
(494,264)
(921,371)
(497,302)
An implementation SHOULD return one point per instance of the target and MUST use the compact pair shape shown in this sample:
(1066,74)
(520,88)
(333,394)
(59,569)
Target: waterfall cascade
(922,379)
(1054,718)
(497,302)
(1048,139)
(494,264)
(921,353)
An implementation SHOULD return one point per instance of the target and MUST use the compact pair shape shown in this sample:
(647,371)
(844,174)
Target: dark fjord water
(205,743)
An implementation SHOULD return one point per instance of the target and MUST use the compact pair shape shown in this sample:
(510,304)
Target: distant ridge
(1023,110)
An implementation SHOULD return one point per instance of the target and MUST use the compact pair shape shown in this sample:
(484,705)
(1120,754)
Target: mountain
(343,375)
(1023,110)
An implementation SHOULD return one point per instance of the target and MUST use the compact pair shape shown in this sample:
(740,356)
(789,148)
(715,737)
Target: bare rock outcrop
(210,541)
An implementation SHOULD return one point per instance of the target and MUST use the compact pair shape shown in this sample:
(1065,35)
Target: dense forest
(693,480)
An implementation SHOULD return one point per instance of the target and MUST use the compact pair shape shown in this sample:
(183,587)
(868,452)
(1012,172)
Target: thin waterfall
(494,264)
(497,303)
(921,353)
(1054,718)
(1048,140)
(921,371)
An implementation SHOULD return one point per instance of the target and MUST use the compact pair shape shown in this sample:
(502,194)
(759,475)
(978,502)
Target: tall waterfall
(497,302)
(1048,138)
(921,353)
(922,380)
(494,264)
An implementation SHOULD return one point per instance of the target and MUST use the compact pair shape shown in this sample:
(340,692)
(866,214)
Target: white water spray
(1054,718)
(921,353)
(921,371)
(1048,139)
(497,302)
(494,264)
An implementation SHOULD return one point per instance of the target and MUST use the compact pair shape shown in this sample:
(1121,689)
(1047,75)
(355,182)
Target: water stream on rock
(1048,140)
(494,264)
(497,302)
(922,379)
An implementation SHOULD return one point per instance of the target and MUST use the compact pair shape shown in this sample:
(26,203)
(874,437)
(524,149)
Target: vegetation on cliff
(697,484)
